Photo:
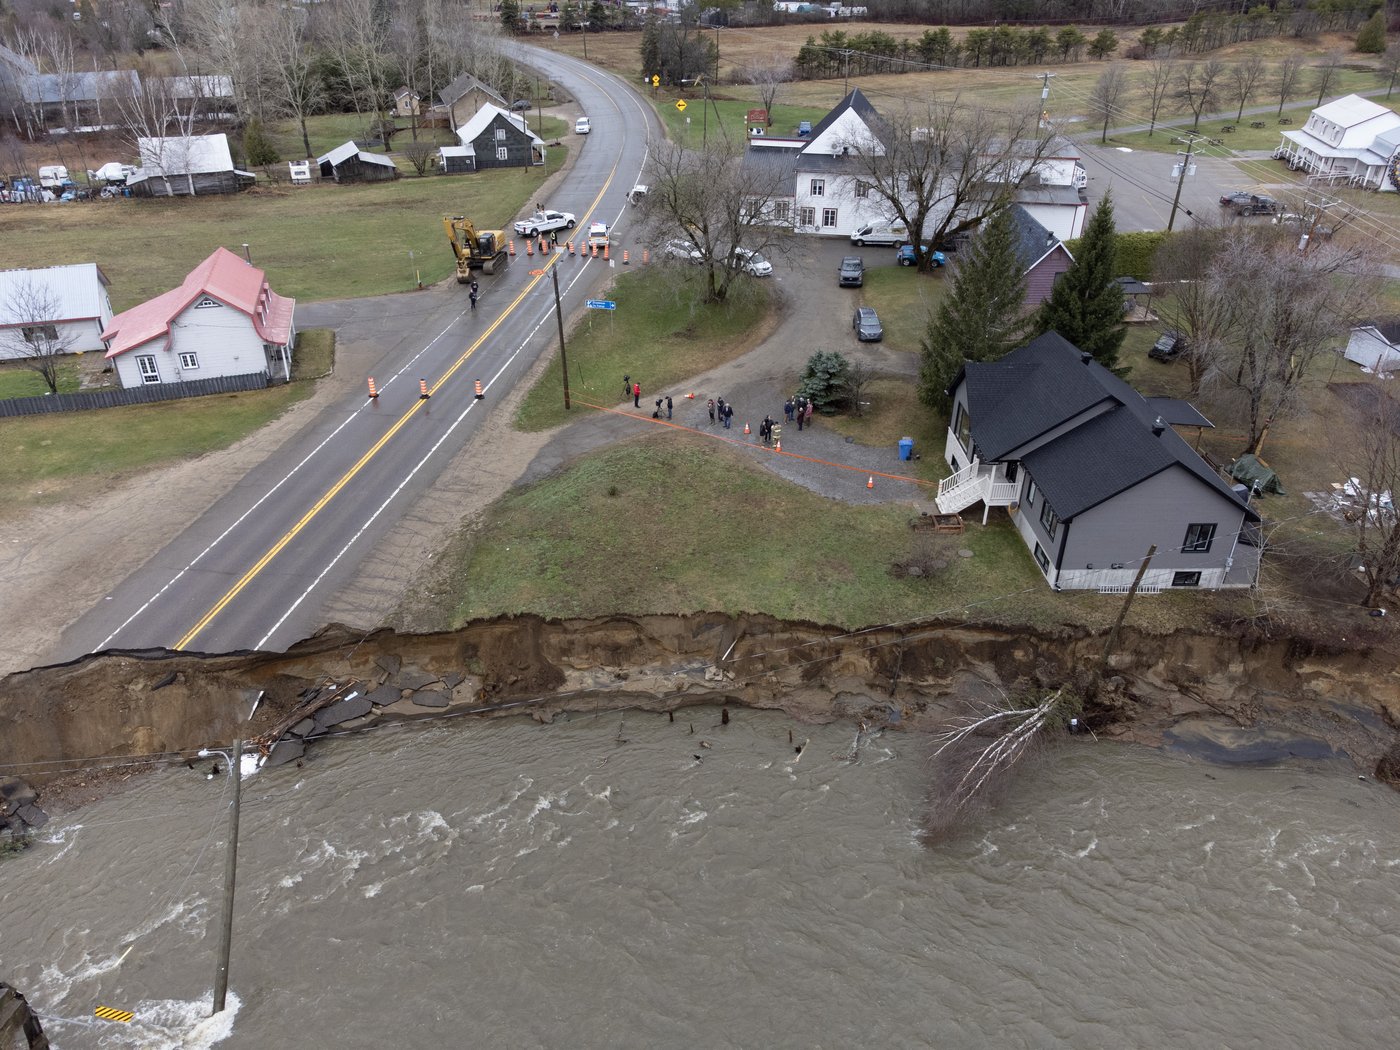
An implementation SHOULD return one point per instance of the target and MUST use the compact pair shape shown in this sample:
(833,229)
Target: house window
(189,361)
(41,333)
(962,426)
(1186,579)
(1042,560)
(806,216)
(1198,539)
(828,216)
(146,364)
(205,303)
(782,211)
(1049,519)
(862,189)
(1030,493)
(502,152)
(500,134)
(819,187)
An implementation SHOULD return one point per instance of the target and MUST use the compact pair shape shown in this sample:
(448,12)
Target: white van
(52,176)
(894,233)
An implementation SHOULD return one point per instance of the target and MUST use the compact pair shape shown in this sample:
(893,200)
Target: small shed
(456,160)
(1375,345)
(348,163)
(1137,300)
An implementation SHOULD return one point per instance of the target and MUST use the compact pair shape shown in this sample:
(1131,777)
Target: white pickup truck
(543,222)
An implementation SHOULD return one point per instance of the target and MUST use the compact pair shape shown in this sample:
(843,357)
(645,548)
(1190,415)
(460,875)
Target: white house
(1053,193)
(186,165)
(65,305)
(223,320)
(1352,140)
(1375,345)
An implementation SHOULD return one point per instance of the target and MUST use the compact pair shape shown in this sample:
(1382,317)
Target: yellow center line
(374,449)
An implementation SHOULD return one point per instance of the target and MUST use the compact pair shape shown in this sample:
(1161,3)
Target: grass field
(65,455)
(316,242)
(18,381)
(659,334)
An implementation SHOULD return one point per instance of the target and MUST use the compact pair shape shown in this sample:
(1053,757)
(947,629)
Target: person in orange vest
(636,395)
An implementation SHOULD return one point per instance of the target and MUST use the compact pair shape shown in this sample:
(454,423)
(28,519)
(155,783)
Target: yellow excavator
(475,249)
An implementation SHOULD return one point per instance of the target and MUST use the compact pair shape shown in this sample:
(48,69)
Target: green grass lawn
(659,334)
(17,381)
(47,458)
(1166,138)
(316,242)
(904,298)
(726,117)
(314,353)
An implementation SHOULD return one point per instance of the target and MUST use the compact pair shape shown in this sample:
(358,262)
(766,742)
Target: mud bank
(1215,694)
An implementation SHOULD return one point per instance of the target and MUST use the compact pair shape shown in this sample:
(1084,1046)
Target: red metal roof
(225,277)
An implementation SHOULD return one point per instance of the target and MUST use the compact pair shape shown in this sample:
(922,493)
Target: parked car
(866,323)
(905,256)
(544,221)
(804,128)
(598,235)
(751,262)
(851,273)
(1242,202)
(638,193)
(683,250)
(582,126)
(1169,347)
(520,104)
(895,233)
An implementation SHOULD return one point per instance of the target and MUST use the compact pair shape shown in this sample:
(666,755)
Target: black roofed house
(1043,255)
(462,98)
(499,139)
(348,163)
(1093,474)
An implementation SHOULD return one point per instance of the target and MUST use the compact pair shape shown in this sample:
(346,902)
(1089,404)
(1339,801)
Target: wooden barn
(500,139)
(348,163)
(186,166)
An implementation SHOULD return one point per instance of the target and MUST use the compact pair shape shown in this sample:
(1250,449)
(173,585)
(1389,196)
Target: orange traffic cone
(779,446)
(690,397)
(626,259)
(479,394)
(423,394)
(871,483)
(646,255)
(571,247)
(605,250)
(512,249)
(373,393)
(530,248)
(746,428)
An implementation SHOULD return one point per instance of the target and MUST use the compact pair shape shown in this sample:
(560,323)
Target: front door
(149,372)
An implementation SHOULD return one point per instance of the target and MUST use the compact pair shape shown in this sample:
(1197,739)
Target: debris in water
(799,749)
(706,743)
(724,716)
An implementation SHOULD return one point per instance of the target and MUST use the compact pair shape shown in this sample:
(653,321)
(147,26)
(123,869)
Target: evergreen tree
(1086,305)
(651,47)
(824,380)
(1371,39)
(510,15)
(980,318)
(258,147)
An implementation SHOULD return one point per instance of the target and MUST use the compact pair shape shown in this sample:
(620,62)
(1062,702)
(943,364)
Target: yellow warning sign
(680,104)
(655,80)
(107,1013)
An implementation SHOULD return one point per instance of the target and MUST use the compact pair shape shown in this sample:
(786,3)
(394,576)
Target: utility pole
(559,317)
(1321,206)
(1123,612)
(584,22)
(846,88)
(235,769)
(1184,168)
(1044,79)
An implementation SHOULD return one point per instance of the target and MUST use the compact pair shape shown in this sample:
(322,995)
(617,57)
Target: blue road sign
(601,304)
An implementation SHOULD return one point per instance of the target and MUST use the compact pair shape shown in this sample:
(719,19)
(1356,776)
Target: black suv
(1242,202)
(1169,347)
(852,272)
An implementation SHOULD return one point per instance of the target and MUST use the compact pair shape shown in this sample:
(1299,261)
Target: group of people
(768,430)
(721,409)
(799,408)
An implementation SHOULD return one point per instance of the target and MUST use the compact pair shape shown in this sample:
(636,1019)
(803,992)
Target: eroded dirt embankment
(1216,688)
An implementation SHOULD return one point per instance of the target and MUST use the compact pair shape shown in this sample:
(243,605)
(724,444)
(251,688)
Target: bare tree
(768,76)
(356,37)
(420,154)
(1327,73)
(1161,75)
(1244,81)
(1390,67)
(159,127)
(942,168)
(717,203)
(1194,303)
(1372,457)
(1290,69)
(1107,96)
(1198,86)
(293,82)
(1289,305)
(216,37)
(31,330)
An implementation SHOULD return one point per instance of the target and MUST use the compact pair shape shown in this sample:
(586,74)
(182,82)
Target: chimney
(1085,357)
(1158,426)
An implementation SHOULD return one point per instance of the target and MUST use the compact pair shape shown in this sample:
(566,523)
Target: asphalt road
(255,570)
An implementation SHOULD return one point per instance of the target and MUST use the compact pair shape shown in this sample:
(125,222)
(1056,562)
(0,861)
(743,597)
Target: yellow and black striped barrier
(107,1013)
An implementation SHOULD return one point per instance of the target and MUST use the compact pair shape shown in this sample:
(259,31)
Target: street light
(235,770)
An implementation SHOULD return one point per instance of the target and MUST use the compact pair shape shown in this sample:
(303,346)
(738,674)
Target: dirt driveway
(58,561)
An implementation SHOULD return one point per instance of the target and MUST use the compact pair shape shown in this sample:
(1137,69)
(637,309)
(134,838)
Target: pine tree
(980,318)
(1086,305)
(1371,39)
(258,146)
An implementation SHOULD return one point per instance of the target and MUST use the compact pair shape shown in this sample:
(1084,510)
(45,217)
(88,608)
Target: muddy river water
(594,883)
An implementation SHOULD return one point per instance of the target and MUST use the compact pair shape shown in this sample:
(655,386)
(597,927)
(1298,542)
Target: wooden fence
(82,402)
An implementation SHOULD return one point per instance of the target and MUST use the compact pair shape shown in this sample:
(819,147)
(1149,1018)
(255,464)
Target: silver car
(866,323)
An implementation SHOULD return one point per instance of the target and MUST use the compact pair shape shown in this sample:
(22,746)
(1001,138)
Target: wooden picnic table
(1256,123)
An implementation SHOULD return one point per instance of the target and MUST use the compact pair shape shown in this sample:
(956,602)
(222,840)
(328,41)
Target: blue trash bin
(906,448)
